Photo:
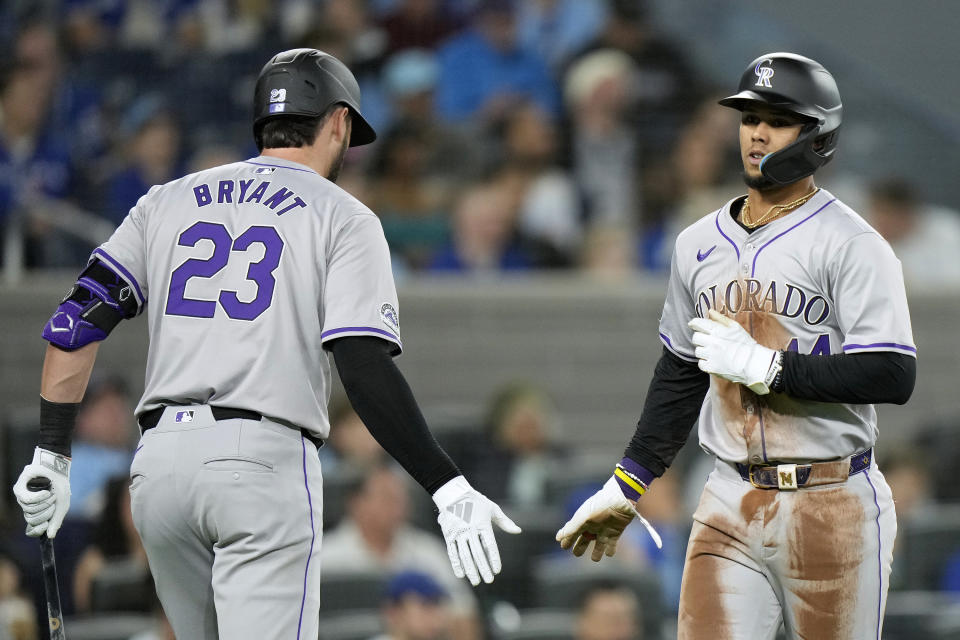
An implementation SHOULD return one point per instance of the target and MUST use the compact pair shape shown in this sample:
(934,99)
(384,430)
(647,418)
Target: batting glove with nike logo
(44,510)
(725,349)
(466,519)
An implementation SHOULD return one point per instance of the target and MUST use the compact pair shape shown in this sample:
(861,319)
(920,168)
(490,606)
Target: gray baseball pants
(230,514)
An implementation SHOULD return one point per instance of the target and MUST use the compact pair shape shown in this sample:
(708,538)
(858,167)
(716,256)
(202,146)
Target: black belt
(150,419)
(795,476)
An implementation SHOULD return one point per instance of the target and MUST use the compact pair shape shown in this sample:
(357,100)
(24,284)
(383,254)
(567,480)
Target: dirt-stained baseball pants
(816,558)
(230,516)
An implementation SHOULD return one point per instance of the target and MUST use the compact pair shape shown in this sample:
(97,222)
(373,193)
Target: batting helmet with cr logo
(801,86)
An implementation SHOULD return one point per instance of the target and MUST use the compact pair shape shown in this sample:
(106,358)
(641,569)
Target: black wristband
(57,420)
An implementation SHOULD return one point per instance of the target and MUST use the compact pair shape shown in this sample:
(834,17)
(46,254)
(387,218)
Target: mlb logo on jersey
(764,73)
(184,416)
(277,108)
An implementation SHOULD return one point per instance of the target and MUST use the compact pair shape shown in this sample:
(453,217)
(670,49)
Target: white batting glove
(601,519)
(44,510)
(725,349)
(465,519)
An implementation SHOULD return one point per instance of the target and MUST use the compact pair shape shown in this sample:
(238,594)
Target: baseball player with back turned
(249,274)
(796,309)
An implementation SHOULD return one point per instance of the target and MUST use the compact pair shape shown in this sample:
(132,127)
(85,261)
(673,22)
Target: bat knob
(38,484)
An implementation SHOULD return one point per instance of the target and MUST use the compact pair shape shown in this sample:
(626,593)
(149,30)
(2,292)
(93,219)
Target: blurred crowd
(513,134)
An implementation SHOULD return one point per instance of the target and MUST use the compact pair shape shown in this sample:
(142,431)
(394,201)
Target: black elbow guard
(94,306)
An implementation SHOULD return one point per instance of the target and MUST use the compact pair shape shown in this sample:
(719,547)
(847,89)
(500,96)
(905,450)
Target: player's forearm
(860,378)
(671,409)
(62,385)
(66,373)
(384,402)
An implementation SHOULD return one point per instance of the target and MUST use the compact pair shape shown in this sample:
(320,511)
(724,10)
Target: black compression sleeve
(382,398)
(669,412)
(856,378)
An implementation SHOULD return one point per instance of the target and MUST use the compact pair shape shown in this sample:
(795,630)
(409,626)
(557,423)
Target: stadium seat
(519,553)
(335,489)
(353,625)
(560,581)
(341,592)
(122,585)
(540,624)
(107,626)
(928,542)
(919,614)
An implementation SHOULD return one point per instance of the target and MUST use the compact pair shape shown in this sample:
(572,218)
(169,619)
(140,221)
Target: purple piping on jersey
(669,344)
(279,166)
(753,269)
(313,535)
(879,552)
(116,266)
(732,243)
(331,332)
(905,347)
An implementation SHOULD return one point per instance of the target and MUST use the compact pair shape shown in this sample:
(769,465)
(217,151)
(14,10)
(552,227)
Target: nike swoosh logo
(702,255)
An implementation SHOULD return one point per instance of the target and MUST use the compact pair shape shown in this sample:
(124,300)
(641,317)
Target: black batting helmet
(305,82)
(803,87)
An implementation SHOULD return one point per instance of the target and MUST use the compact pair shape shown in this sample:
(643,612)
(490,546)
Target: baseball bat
(50,586)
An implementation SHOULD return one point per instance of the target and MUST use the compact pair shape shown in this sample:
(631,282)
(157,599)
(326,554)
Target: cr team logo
(764,73)
(278,95)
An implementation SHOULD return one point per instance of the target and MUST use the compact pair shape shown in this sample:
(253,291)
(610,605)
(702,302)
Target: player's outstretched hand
(725,349)
(466,519)
(601,519)
(44,510)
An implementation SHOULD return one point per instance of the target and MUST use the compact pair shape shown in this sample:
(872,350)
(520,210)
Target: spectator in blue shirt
(152,155)
(484,71)
(484,233)
(556,29)
(34,162)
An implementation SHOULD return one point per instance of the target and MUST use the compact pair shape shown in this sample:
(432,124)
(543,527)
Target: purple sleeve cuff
(633,478)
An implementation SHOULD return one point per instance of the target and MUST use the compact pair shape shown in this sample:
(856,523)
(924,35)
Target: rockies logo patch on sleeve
(390,317)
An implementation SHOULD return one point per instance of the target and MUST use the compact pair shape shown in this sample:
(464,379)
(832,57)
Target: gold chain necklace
(774,212)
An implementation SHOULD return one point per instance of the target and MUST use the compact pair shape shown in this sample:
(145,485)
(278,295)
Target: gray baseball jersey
(819,280)
(245,264)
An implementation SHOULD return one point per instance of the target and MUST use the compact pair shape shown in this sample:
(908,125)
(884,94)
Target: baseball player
(796,309)
(249,274)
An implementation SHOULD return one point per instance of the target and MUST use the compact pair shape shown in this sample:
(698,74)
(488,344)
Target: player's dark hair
(291,131)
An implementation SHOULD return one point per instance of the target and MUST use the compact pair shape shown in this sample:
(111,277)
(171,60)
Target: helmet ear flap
(793,162)
(826,144)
